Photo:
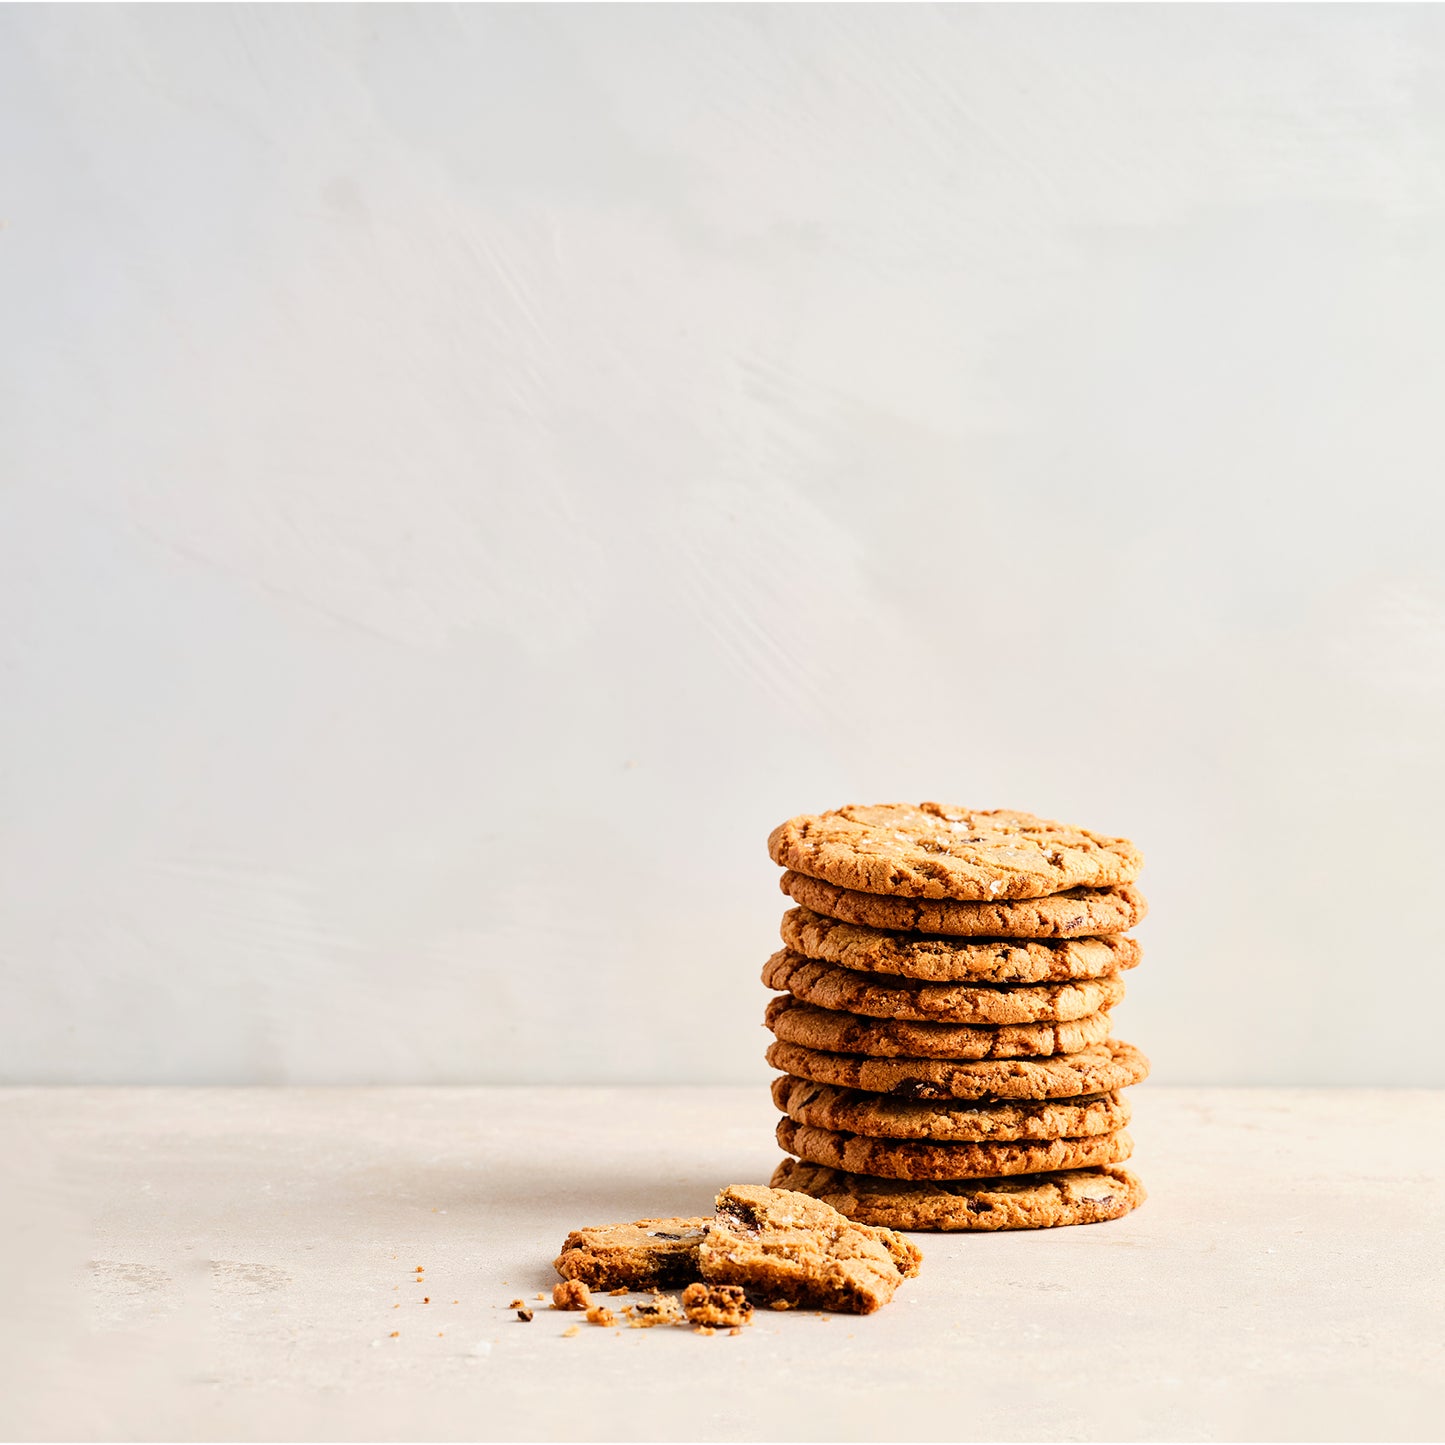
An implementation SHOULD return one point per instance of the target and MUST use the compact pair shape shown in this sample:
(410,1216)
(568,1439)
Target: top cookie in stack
(944,1025)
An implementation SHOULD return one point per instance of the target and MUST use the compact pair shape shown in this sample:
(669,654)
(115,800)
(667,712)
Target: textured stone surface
(202,1264)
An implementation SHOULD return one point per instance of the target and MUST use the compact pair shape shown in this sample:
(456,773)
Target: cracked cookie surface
(1094,1069)
(647,1254)
(1074,913)
(948,960)
(929,850)
(930,1159)
(881,1116)
(795,1250)
(1025,1201)
(829,986)
(836,1032)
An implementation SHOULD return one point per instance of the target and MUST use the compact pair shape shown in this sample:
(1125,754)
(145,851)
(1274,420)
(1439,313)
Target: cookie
(945,960)
(831,987)
(927,850)
(648,1254)
(793,1250)
(1091,1070)
(929,1159)
(1025,1201)
(827,1029)
(883,1117)
(1076,913)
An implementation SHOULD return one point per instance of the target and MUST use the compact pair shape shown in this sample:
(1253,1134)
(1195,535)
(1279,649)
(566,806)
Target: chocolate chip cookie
(1075,913)
(842,989)
(928,850)
(929,1159)
(819,1028)
(881,1116)
(1094,1069)
(1024,1201)
(948,960)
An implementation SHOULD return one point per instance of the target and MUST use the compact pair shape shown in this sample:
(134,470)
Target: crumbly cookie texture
(929,850)
(1025,1201)
(820,1028)
(1074,913)
(571,1294)
(786,1249)
(662,1309)
(881,1116)
(929,1159)
(1094,1069)
(985,961)
(831,987)
(717,1305)
(648,1254)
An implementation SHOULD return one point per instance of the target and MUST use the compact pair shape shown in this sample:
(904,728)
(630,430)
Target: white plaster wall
(467,473)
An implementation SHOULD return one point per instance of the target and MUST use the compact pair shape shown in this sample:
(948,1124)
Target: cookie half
(647,1254)
(828,1029)
(1024,1201)
(883,1117)
(947,960)
(928,850)
(1075,913)
(829,986)
(930,1159)
(1094,1069)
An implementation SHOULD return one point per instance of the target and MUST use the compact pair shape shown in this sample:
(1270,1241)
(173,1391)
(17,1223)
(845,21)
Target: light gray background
(468,473)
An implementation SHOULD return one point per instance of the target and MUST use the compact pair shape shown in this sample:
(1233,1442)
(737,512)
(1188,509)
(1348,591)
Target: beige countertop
(228,1263)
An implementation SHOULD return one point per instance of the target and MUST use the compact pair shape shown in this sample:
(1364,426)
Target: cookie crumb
(717,1304)
(525,1315)
(571,1294)
(570,1331)
(662,1310)
(516,1304)
(601,1315)
(426,1299)
(780,1304)
(396,1334)
(735,1331)
(541,1296)
(621,1289)
(703,1330)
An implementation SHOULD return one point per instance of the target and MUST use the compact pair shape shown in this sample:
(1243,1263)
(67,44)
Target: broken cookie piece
(717,1305)
(571,1294)
(647,1254)
(791,1250)
(601,1315)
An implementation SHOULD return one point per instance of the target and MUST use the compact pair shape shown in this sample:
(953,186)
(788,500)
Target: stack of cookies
(943,1024)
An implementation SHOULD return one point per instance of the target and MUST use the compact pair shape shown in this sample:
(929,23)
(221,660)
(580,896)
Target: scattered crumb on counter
(571,1294)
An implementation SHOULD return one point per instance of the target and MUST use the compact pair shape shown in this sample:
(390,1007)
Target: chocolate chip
(977,1206)
(658,1234)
